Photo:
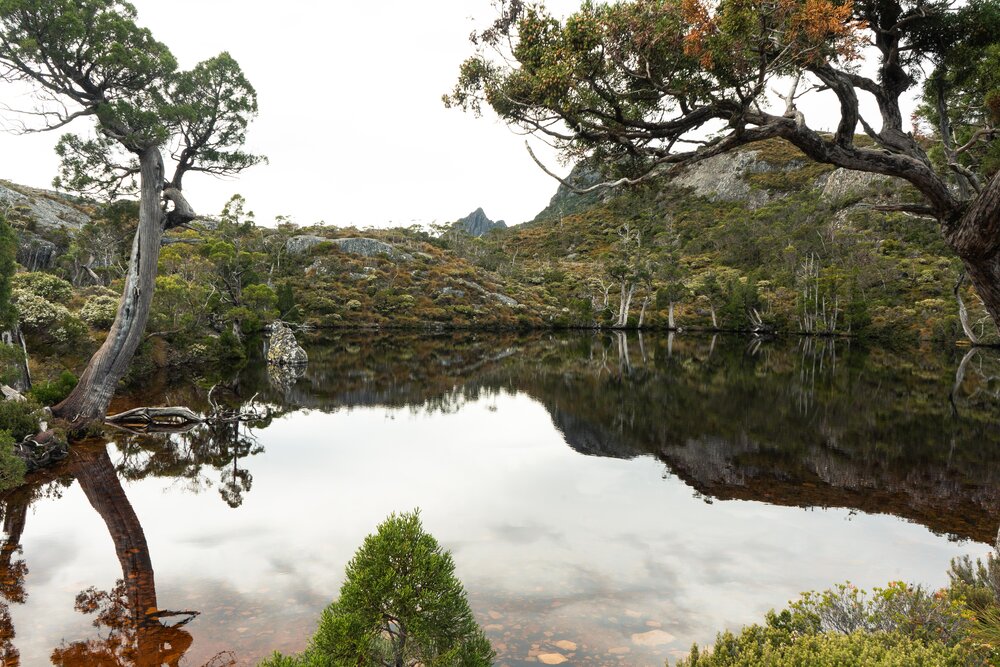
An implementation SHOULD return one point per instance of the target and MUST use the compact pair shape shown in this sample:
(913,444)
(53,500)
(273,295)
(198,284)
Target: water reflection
(809,423)
(132,629)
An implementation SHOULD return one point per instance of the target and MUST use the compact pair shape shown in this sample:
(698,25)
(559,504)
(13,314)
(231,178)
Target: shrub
(50,393)
(898,625)
(400,603)
(12,468)
(19,418)
(100,311)
(52,320)
(758,646)
(49,287)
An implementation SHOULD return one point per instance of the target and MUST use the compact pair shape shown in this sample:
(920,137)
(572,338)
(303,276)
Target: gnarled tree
(649,86)
(89,59)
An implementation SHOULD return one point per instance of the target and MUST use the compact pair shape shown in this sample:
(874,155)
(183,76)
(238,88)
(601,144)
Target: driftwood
(153,420)
(179,419)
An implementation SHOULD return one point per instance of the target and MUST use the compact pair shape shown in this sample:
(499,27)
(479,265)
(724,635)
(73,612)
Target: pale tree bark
(90,399)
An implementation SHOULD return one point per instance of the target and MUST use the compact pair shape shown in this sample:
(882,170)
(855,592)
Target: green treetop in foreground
(400,604)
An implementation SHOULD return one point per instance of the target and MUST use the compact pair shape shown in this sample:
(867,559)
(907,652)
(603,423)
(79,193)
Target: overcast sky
(350,112)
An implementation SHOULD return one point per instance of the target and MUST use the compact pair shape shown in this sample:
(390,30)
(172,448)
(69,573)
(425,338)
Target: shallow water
(606,498)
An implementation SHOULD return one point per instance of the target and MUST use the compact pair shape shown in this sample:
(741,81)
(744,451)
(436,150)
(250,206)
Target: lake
(610,498)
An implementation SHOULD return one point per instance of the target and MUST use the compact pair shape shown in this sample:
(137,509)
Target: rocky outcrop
(362,246)
(722,178)
(42,210)
(502,298)
(370,248)
(33,252)
(283,349)
(478,224)
(845,185)
(566,201)
(303,243)
(34,214)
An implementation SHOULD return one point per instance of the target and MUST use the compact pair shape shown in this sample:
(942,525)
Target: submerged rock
(284,350)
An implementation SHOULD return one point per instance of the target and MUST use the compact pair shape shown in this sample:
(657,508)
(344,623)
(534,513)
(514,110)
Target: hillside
(759,240)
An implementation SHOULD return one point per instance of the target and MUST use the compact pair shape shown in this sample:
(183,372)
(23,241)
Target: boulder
(303,243)
(370,248)
(846,184)
(283,349)
(11,394)
(355,246)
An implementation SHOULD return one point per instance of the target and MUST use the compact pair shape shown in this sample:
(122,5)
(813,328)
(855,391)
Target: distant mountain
(477,224)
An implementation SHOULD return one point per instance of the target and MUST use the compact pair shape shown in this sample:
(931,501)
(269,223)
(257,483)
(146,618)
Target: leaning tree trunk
(976,239)
(90,399)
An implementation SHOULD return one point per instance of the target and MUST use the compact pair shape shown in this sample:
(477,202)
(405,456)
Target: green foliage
(100,311)
(51,322)
(12,467)
(900,625)
(8,265)
(47,286)
(51,393)
(767,646)
(19,418)
(400,603)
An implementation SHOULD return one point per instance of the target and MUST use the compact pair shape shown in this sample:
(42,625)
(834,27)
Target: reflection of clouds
(553,540)
(525,534)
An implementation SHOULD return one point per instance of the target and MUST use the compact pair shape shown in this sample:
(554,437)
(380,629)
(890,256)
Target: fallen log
(151,418)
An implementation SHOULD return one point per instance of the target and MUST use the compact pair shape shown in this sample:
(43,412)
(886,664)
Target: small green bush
(19,418)
(100,311)
(400,603)
(51,393)
(49,287)
(758,646)
(12,467)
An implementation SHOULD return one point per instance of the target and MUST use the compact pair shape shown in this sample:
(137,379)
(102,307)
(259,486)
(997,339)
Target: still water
(608,498)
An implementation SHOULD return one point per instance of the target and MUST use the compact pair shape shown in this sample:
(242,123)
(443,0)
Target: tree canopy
(646,86)
(89,59)
(400,604)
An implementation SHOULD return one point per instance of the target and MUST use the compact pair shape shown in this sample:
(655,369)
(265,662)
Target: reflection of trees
(133,630)
(220,444)
(13,571)
(137,632)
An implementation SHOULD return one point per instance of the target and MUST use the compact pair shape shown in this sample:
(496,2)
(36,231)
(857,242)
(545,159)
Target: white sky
(350,113)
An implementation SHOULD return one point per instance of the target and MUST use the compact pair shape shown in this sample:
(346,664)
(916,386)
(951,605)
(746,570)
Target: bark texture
(90,399)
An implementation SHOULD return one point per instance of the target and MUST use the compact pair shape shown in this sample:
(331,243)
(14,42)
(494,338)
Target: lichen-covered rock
(362,246)
(42,210)
(303,243)
(845,184)
(721,178)
(284,350)
(370,248)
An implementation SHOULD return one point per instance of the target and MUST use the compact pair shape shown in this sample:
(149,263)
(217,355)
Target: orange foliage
(697,15)
(806,28)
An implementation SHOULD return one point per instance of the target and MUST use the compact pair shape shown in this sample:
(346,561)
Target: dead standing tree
(89,59)
(648,86)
